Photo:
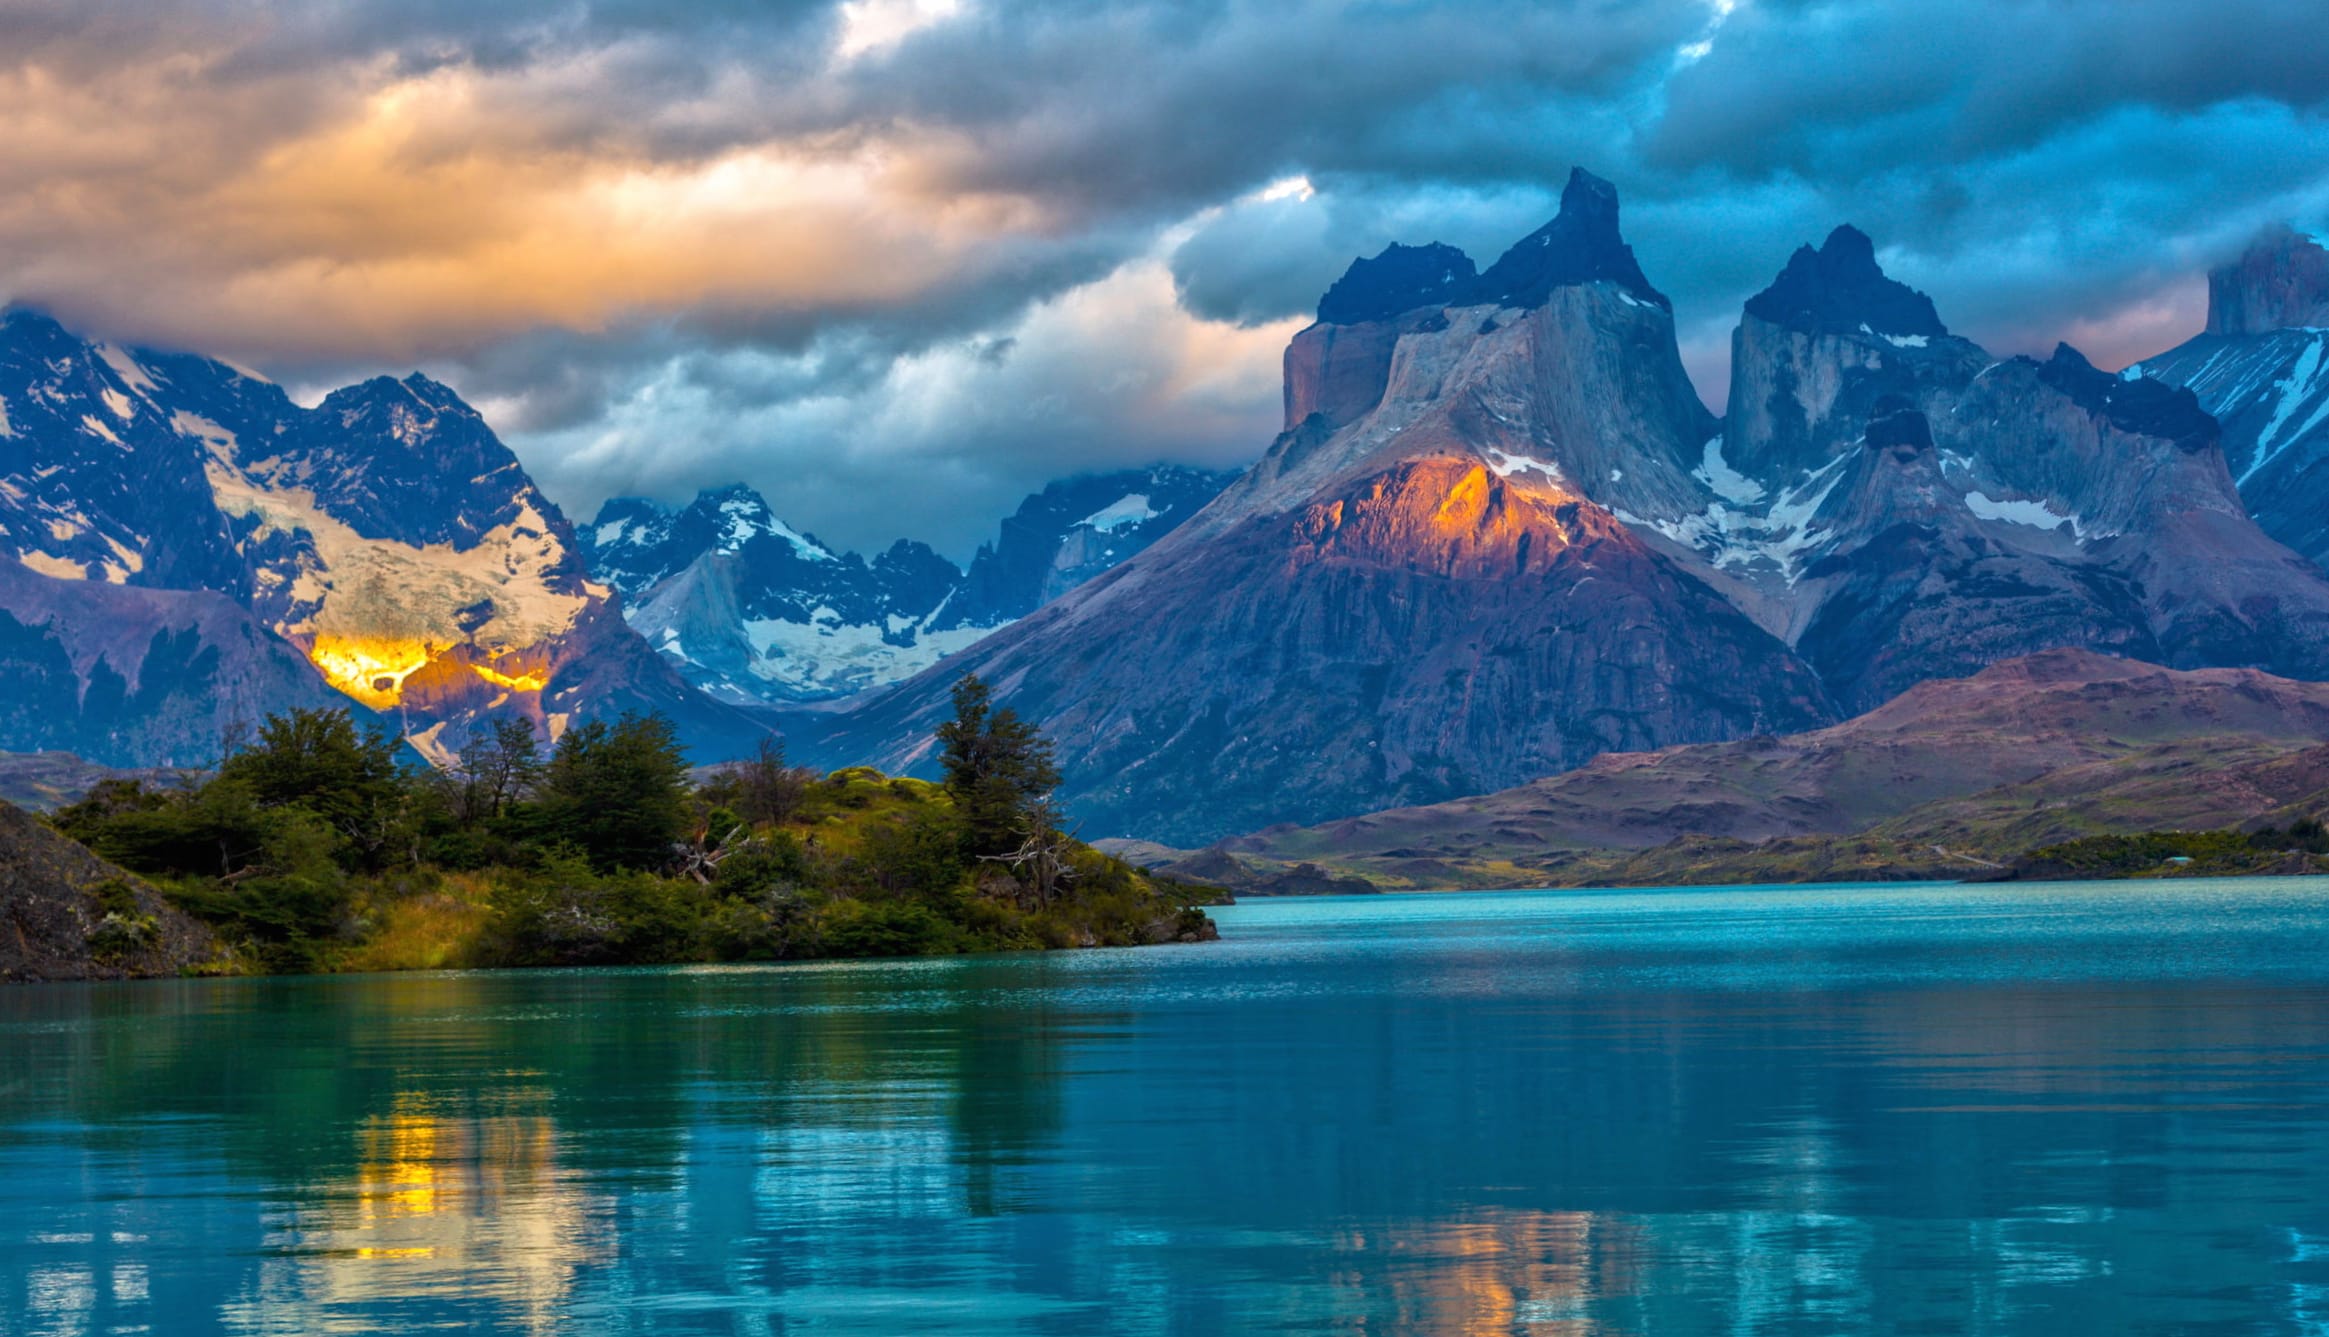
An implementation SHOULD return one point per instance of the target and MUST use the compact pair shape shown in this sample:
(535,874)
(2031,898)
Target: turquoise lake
(2076,1109)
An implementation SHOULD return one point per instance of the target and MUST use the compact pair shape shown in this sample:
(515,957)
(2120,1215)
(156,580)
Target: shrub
(884,928)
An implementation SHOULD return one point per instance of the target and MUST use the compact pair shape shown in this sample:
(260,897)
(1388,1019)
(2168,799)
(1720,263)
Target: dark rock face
(137,677)
(1838,289)
(2262,371)
(385,544)
(2280,282)
(1580,245)
(66,914)
(2139,407)
(756,613)
(1910,584)
(1337,373)
(1397,281)
(1816,353)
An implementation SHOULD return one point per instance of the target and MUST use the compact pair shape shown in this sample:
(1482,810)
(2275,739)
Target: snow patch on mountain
(827,654)
(330,580)
(1748,536)
(2299,386)
(132,372)
(749,518)
(1506,466)
(2026,511)
(1726,482)
(1128,510)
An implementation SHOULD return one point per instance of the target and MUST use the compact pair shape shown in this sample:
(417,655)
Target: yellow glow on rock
(531,681)
(372,671)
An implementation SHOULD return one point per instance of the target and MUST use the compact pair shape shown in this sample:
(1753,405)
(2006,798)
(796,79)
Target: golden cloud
(411,215)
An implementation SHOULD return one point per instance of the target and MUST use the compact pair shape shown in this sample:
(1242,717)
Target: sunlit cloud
(870,26)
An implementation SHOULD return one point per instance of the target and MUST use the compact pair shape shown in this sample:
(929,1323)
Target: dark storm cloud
(898,261)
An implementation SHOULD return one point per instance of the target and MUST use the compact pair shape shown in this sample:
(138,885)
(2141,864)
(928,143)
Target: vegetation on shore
(313,847)
(1871,856)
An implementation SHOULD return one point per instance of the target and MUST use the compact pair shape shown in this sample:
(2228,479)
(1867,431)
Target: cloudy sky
(897,262)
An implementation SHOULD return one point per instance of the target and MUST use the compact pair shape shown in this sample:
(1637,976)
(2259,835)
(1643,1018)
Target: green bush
(884,928)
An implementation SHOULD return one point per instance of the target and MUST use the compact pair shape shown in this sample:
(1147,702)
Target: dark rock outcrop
(1839,289)
(2280,282)
(1581,245)
(1397,281)
(66,914)
(2262,371)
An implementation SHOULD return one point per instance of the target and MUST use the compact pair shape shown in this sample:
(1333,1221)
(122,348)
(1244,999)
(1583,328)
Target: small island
(315,847)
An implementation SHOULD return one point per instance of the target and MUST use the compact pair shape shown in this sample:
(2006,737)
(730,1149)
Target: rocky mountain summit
(192,549)
(2261,368)
(1499,535)
(755,612)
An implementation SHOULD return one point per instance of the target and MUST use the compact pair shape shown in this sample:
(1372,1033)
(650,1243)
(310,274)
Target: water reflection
(1936,1110)
(468,1210)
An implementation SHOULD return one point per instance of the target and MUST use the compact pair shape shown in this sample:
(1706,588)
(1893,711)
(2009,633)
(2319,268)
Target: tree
(999,771)
(500,765)
(764,790)
(618,792)
(319,761)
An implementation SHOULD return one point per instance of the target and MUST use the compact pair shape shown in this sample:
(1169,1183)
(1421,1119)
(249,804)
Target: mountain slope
(386,536)
(2262,369)
(2036,749)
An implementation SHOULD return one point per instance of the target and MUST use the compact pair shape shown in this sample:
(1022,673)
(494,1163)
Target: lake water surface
(2092,1108)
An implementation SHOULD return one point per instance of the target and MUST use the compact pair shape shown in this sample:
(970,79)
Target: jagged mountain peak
(1839,288)
(1580,245)
(739,515)
(2281,281)
(1398,280)
(2131,401)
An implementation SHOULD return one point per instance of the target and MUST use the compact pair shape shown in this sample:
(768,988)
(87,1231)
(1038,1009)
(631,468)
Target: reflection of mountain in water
(474,1206)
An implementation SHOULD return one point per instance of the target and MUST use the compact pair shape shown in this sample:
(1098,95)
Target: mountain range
(755,612)
(193,550)
(1499,535)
